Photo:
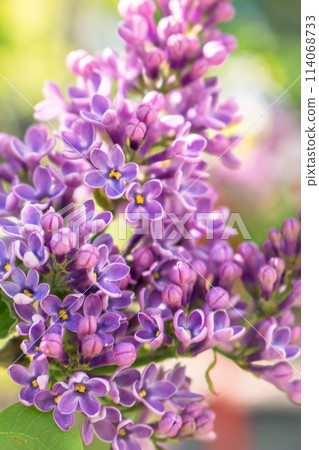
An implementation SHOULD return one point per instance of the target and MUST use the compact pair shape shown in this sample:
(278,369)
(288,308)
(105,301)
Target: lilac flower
(29,223)
(112,171)
(30,316)
(42,193)
(64,312)
(35,253)
(153,329)
(36,145)
(142,201)
(25,289)
(128,435)
(219,329)
(37,334)
(34,379)
(182,395)
(191,330)
(7,260)
(105,274)
(103,425)
(79,138)
(82,392)
(277,344)
(151,392)
(120,380)
(47,400)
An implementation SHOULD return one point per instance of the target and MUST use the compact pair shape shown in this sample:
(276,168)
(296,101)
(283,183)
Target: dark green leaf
(26,427)
(6,321)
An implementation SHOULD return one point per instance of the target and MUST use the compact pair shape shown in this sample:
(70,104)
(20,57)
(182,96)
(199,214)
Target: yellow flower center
(143,393)
(34,383)
(7,267)
(94,276)
(115,174)
(57,398)
(80,388)
(156,275)
(63,315)
(157,333)
(44,200)
(28,293)
(122,432)
(37,349)
(139,199)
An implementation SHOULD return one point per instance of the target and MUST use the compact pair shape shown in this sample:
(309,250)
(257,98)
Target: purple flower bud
(51,221)
(170,424)
(229,42)
(63,241)
(153,59)
(215,53)
(221,252)
(279,266)
(228,273)
(200,267)
(124,354)
(248,250)
(172,295)
(177,46)
(294,391)
(87,256)
(267,276)
(51,345)
(199,68)
(91,345)
(135,131)
(274,235)
(188,426)
(143,257)
(146,114)
(204,424)
(87,325)
(217,298)
(223,12)
(290,231)
(193,409)
(180,273)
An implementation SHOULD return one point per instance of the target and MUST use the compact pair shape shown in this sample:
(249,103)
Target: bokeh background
(263,76)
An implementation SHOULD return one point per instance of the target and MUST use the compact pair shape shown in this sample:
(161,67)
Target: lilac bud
(91,345)
(63,241)
(230,42)
(217,298)
(279,266)
(87,325)
(193,45)
(155,99)
(180,273)
(198,70)
(177,46)
(135,131)
(51,221)
(290,231)
(294,391)
(204,424)
(215,53)
(124,354)
(51,345)
(188,426)
(170,25)
(87,257)
(224,12)
(172,295)
(220,253)
(229,272)
(147,114)
(267,277)
(200,267)
(248,250)
(193,409)
(143,257)
(170,424)
(274,235)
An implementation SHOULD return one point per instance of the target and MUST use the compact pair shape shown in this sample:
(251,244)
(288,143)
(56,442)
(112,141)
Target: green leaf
(6,321)
(26,427)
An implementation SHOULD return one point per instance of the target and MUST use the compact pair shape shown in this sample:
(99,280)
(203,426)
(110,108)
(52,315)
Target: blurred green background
(36,35)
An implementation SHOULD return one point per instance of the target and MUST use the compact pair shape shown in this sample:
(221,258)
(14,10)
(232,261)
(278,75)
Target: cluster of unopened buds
(97,317)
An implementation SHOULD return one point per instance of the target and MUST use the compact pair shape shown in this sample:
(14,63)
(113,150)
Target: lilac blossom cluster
(134,135)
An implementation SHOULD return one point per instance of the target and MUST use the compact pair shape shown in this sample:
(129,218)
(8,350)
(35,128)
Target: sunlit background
(263,76)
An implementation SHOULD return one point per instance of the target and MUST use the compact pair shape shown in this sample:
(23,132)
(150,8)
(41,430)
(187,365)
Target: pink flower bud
(124,354)
(172,295)
(180,273)
(143,257)
(146,114)
(87,325)
(290,230)
(87,256)
(63,241)
(91,345)
(170,424)
(135,131)
(217,298)
(215,53)
(51,221)
(221,252)
(51,345)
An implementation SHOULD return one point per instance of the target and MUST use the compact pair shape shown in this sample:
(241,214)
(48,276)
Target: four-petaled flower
(112,171)
(142,201)
(152,331)
(25,289)
(64,312)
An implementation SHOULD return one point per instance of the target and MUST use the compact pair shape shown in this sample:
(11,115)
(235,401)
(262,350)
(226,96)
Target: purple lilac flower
(152,392)
(192,330)
(34,379)
(183,395)
(152,329)
(112,171)
(42,193)
(36,145)
(142,201)
(81,393)
(35,253)
(29,315)
(64,312)
(123,378)
(47,400)
(277,344)
(128,435)
(25,289)
(79,138)
(103,425)
(37,333)
(7,261)
(29,223)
